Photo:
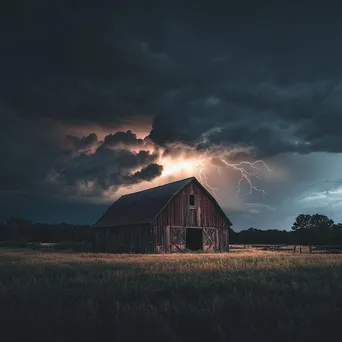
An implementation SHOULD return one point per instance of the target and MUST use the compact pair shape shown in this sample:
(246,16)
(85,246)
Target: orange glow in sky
(173,169)
(180,167)
(186,162)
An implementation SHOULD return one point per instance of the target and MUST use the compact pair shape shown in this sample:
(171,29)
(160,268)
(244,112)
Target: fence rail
(337,249)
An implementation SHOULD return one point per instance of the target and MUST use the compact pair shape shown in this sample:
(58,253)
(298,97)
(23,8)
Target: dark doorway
(194,239)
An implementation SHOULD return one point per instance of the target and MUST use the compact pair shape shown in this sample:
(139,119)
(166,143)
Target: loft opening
(192,200)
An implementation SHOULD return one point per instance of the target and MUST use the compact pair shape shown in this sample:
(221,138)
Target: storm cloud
(83,143)
(148,173)
(105,168)
(261,80)
(127,138)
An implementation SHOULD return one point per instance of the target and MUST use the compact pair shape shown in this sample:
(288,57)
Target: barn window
(192,200)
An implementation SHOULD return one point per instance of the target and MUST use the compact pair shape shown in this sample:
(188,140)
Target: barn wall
(177,213)
(158,238)
(155,238)
(125,239)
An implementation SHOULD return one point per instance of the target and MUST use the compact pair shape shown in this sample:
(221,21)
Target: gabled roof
(144,206)
(141,207)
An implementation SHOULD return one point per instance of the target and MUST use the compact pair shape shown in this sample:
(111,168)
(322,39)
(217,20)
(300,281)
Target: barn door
(209,239)
(177,239)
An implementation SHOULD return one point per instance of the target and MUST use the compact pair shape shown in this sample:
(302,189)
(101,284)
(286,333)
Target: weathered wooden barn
(175,217)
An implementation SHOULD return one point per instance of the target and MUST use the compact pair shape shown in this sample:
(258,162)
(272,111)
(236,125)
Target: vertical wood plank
(167,239)
(217,239)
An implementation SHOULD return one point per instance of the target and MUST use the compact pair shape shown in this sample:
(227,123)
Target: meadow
(246,295)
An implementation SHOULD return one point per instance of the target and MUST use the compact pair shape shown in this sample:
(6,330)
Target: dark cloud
(259,79)
(147,173)
(292,123)
(106,168)
(84,143)
(28,151)
(127,138)
(265,82)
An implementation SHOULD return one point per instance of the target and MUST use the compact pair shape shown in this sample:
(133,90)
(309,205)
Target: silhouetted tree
(302,222)
(19,229)
(313,229)
(322,231)
(259,236)
(337,234)
(3,231)
(232,236)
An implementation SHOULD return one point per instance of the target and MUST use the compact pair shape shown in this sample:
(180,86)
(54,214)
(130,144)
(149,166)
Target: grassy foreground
(261,296)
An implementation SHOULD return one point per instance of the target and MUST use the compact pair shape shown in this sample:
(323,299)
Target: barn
(176,217)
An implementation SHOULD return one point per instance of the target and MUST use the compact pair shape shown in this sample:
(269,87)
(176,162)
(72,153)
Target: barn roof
(144,206)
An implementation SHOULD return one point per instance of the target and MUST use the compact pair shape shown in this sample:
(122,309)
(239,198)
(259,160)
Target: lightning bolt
(242,168)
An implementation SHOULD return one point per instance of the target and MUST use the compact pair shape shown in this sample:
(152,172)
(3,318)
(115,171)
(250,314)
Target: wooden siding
(178,213)
(168,231)
(159,239)
(131,239)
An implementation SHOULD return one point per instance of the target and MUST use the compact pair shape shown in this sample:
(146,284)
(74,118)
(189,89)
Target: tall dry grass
(248,296)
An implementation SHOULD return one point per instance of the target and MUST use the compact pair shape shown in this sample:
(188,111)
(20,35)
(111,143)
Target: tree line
(19,229)
(314,229)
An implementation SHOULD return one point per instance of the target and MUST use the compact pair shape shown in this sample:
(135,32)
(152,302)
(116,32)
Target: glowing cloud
(204,164)
(107,174)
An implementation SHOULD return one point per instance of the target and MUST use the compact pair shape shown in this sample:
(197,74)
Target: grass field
(240,296)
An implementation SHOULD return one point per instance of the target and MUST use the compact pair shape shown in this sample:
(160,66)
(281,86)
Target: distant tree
(321,222)
(321,227)
(337,233)
(302,222)
(261,236)
(313,229)
(3,231)
(301,227)
(18,222)
(232,236)
(18,228)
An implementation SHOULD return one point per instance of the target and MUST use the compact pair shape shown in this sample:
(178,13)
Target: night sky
(112,97)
